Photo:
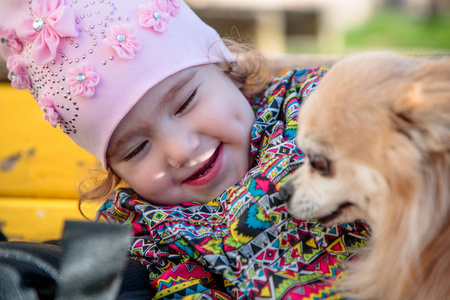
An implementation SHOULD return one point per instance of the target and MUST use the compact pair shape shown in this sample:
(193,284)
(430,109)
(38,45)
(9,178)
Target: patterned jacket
(244,244)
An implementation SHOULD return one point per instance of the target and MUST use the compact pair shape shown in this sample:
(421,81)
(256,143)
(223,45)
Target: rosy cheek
(145,180)
(159,175)
(157,182)
(150,187)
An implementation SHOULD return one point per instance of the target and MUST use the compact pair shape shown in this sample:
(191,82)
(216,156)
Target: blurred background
(40,167)
(329,26)
(288,31)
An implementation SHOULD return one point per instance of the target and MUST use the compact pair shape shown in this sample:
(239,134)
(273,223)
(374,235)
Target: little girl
(158,98)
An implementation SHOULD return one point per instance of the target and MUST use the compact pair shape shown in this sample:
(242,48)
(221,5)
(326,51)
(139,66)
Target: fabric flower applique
(51,20)
(17,73)
(82,80)
(10,42)
(50,114)
(123,40)
(170,6)
(152,16)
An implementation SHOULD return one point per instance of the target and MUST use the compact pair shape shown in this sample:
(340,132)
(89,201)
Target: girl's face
(187,139)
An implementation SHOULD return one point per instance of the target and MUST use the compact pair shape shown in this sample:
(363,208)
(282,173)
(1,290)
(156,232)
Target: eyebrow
(170,95)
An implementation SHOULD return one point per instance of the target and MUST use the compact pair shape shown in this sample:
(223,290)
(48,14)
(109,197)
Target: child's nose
(181,148)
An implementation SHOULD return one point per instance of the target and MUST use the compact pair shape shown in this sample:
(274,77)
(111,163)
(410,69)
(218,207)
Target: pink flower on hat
(170,6)
(10,43)
(152,16)
(17,73)
(50,114)
(82,80)
(51,20)
(123,40)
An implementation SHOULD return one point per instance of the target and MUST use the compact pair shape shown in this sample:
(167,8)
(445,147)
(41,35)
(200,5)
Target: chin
(377,134)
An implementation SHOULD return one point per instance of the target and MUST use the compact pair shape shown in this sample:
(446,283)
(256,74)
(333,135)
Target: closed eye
(136,151)
(320,163)
(186,103)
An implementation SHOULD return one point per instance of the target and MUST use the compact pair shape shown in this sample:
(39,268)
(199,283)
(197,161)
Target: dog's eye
(319,163)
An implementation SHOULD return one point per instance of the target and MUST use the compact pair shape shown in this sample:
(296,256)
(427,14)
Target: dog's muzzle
(286,191)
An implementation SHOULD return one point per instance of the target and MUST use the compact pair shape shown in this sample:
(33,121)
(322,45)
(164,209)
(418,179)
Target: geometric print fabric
(244,244)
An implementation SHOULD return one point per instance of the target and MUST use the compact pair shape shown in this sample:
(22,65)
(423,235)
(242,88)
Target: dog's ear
(423,112)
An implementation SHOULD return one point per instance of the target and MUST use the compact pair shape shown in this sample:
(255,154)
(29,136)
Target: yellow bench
(38,168)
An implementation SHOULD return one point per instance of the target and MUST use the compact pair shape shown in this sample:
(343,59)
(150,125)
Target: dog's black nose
(285,191)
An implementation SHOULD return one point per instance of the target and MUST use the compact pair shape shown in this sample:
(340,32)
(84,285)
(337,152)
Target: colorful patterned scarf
(244,244)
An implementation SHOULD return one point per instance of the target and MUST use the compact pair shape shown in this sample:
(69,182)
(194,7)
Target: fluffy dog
(376,134)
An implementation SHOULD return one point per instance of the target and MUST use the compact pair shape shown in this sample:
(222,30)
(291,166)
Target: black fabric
(2,237)
(93,260)
(28,270)
(92,263)
(135,282)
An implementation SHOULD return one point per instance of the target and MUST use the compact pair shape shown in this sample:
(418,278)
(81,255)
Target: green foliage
(393,29)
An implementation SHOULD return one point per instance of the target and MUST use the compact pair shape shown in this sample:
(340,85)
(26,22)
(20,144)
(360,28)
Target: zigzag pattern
(244,244)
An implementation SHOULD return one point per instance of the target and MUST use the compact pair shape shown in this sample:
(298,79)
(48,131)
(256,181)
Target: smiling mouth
(335,213)
(206,167)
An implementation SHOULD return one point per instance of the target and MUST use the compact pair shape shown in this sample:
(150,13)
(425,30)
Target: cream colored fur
(383,121)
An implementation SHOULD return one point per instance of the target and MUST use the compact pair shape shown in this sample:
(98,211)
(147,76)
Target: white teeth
(212,165)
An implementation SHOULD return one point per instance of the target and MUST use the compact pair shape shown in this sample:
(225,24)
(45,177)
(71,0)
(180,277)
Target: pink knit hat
(87,62)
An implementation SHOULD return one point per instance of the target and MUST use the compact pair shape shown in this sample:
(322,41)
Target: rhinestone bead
(120,38)
(13,75)
(38,23)
(157,16)
(4,41)
(80,77)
